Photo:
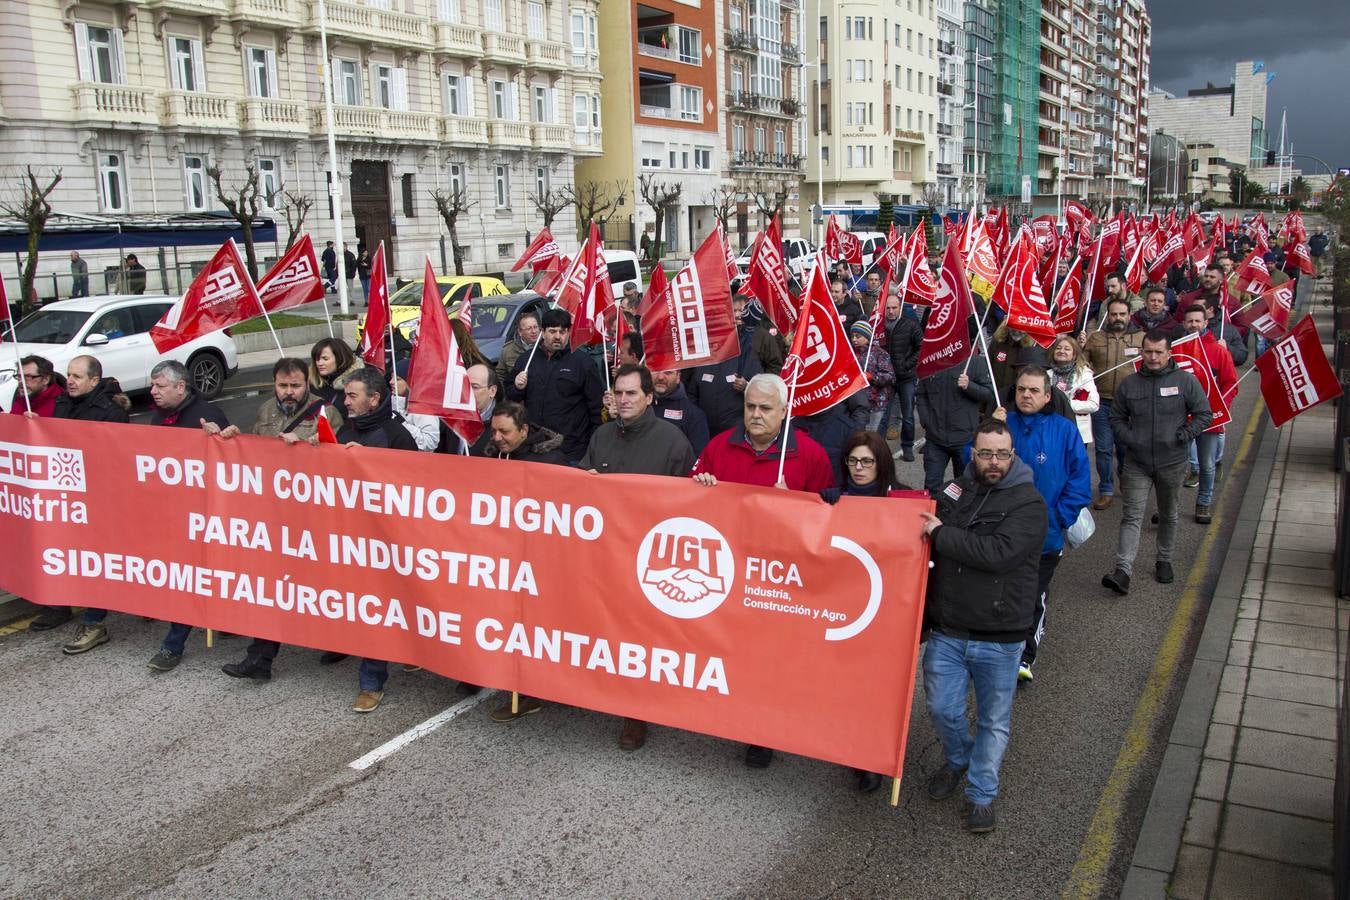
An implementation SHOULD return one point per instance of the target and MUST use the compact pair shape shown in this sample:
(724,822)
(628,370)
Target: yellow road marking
(13,627)
(1094,857)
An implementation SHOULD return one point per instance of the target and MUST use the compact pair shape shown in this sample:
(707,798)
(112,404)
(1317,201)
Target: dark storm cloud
(1307,43)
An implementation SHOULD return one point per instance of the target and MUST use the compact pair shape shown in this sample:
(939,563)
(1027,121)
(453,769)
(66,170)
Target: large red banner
(754,614)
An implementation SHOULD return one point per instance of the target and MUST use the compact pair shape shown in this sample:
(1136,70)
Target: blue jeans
(176,639)
(949,667)
(1206,448)
(1105,442)
(904,398)
(373,674)
(94,616)
(935,461)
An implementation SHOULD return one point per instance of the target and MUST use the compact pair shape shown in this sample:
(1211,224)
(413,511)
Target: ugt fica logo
(685,567)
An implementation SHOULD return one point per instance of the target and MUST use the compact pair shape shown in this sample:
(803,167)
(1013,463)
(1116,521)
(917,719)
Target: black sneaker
(1203,515)
(1162,572)
(164,661)
(867,781)
(329,657)
(50,617)
(944,782)
(757,757)
(980,818)
(1117,581)
(1192,480)
(907,454)
(249,668)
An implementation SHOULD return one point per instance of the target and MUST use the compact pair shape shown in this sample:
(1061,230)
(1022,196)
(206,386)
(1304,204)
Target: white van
(623,268)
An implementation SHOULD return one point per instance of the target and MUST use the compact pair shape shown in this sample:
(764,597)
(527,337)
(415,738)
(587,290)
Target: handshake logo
(685,568)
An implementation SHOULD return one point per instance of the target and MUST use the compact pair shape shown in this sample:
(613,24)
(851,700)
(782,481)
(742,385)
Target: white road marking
(392,746)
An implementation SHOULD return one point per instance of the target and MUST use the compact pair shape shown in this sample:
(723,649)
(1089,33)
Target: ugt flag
(946,337)
(821,367)
(1295,373)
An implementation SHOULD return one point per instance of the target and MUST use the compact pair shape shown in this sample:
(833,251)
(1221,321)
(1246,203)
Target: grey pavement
(124,782)
(1243,802)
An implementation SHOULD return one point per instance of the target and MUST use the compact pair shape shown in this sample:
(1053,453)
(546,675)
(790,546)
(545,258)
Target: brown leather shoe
(524,706)
(633,736)
(1103,501)
(367,701)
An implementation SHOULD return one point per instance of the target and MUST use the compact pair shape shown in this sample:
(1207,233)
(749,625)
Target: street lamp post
(820,152)
(335,184)
(976,196)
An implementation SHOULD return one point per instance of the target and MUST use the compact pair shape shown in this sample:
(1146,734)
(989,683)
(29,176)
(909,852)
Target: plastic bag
(1083,528)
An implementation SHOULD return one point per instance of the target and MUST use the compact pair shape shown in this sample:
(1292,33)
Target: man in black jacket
(949,408)
(88,398)
(986,539)
(1155,415)
(561,387)
(904,337)
(674,406)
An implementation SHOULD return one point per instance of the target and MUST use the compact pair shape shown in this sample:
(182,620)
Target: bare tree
(722,199)
(769,200)
(295,208)
(451,205)
(29,205)
(932,195)
(596,201)
(550,203)
(244,204)
(660,196)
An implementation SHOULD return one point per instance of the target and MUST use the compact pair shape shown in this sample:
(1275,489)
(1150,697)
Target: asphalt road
(121,781)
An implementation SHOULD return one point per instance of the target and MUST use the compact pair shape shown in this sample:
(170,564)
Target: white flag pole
(18,362)
(787,423)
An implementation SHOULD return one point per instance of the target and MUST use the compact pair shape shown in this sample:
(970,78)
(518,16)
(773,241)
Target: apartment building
(980,114)
(135,100)
(874,101)
(951,84)
(1120,100)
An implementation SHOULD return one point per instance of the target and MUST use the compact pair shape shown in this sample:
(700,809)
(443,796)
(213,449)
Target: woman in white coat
(1072,375)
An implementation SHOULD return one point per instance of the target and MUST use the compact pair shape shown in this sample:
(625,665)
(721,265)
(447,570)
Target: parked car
(623,267)
(115,330)
(798,255)
(406,302)
(494,319)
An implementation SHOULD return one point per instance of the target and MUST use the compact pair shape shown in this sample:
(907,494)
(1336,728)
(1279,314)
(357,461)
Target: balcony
(464,130)
(744,101)
(944,129)
(504,48)
(512,135)
(548,55)
(743,41)
(791,53)
(114,104)
(587,142)
(459,40)
(262,114)
(267,13)
(550,137)
(791,4)
(367,24)
(190,7)
(742,159)
(198,110)
(376,122)
(946,48)
(410,126)
(944,169)
(946,88)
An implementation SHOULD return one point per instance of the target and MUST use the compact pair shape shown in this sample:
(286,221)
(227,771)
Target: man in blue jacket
(1053,447)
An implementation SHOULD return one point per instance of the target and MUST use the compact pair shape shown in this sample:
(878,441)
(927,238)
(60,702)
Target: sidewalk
(1242,806)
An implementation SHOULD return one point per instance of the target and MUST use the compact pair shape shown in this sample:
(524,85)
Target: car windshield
(489,319)
(622,270)
(51,326)
(411,293)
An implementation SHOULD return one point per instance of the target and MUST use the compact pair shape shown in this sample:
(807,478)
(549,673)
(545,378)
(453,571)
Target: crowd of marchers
(1008,442)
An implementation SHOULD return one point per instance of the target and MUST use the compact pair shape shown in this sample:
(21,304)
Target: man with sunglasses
(986,539)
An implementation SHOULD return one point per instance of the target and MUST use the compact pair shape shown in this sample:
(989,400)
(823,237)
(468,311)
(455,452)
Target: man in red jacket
(748,454)
(1206,449)
(41,384)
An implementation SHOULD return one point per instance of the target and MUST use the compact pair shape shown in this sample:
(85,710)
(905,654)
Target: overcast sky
(1307,42)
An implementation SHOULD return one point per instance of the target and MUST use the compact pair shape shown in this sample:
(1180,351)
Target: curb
(290,337)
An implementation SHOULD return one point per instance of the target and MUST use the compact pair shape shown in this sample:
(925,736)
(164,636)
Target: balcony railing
(459,40)
(265,12)
(370,23)
(508,48)
(944,128)
(269,115)
(550,137)
(944,168)
(744,159)
(745,101)
(741,40)
(463,130)
(508,134)
(946,48)
(905,134)
(191,7)
(376,122)
(411,126)
(790,52)
(196,109)
(115,104)
(546,54)
(946,88)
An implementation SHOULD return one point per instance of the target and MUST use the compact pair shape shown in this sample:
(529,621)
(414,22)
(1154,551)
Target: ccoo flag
(1295,373)
(690,322)
(294,280)
(221,295)
(438,381)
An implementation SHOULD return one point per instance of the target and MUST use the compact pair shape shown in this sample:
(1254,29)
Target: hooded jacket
(541,445)
(1053,448)
(986,557)
(101,404)
(648,446)
(381,427)
(1156,415)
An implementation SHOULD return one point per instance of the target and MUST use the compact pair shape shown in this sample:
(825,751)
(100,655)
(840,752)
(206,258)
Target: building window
(543,104)
(456,179)
(458,95)
(581,115)
(409,207)
(541,181)
(779,142)
(689,41)
(691,103)
(384,87)
(185,64)
(112,183)
(703,158)
(504,100)
(535,24)
(651,154)
(261,63)
(583,39)
(759,138)
(99,54)
(194,174)
(502,186)
(595,112)
(347,75)
(738,138)
(269,178)
(494,15)
(448,10)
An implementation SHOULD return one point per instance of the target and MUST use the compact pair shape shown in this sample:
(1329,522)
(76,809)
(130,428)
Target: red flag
(4,304)
(1173,251)
(1076,215)
(946,337)
(918,286)
(841,244)
(1093,287)
(982,262)
(692,323)
(541,251)
(580,289)
(1134,270)
(1203,253)
(1269,314)
(376,332)
(892,257)
(1193,232)
(1301,257)
(1295,373)
(325,428)
(438,381)
(550,276)
(1253,275)
(767,281)
(733,270)
(1019,292)
(294,280)
(821,367)
(1192,357)
(1068,297)
(221,295)
(1110,238)
(1129,237)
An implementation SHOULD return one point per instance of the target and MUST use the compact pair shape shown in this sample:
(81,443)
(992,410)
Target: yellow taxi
(406,302)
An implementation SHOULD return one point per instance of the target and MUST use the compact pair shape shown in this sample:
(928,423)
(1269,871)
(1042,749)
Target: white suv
(116,331)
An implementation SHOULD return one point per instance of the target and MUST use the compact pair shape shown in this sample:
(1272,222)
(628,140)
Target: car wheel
(208,375)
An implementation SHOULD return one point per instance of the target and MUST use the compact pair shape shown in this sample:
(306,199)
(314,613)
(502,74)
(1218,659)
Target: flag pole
(389,311)
(787,422)
(988,362)
(267,318)
(987,304)
(18,360)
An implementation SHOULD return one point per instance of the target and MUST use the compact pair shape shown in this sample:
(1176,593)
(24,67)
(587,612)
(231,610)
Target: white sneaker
(1024,672)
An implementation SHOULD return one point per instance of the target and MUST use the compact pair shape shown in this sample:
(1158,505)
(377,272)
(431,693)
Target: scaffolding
(1017,52)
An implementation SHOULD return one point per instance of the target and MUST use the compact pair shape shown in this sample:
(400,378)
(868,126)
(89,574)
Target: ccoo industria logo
(42,468)
(685,567)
